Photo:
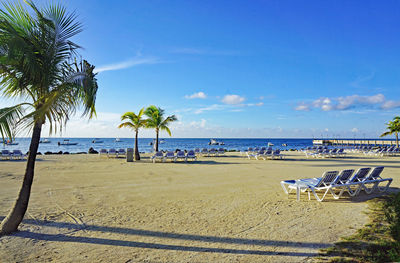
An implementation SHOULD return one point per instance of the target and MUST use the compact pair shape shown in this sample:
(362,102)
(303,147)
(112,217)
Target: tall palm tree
(135,122)
(393,127)
(38,66)
(156,120)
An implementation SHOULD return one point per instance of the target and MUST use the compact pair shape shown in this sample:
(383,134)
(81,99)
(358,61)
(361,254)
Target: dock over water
(353,142)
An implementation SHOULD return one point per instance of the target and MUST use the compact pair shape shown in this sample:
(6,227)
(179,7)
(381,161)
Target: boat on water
(97,141)
(8,142)
(154,142)
(270,144)
(67,143)
(118,140)
(284,144)
(44,141)
(215,142)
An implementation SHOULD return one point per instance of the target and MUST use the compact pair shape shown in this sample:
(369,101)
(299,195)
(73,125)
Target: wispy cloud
(197,95)
(390,104)
(347,102)
(128,64)
(210,108)
(233,99)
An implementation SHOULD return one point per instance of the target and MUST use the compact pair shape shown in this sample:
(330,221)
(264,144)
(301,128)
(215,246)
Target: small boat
(161,141)
(118,140)
(97,141)
(8,142)
(270,144)
(67,143)
(284,144)
(44,141)
(154,142)
(215,142)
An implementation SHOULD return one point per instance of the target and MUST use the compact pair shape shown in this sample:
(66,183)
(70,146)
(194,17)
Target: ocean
(83,144)
(169,144)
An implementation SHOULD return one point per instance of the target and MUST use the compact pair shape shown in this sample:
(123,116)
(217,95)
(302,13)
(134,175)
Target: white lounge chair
(204,152)
(5,155)
(180,155)
(112,153)
(313,185)
(354,184)
(170,156)
(103,152)
(17,155)
(121,153)
(157,156)
(375,179)
(191,155)
(212,151)
(221,151)
(256,155)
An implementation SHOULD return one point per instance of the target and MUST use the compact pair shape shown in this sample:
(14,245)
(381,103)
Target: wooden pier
(353,142)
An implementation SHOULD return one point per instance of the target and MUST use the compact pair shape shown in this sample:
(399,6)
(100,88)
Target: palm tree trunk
(137,155)
(17,213)
(397,139)
(156,140)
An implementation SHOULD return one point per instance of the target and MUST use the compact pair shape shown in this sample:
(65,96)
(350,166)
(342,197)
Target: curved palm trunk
(137,155)
(397,139)
(14,218)
(157,140)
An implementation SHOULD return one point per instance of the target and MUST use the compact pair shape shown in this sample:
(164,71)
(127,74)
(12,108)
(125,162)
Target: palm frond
(9,118)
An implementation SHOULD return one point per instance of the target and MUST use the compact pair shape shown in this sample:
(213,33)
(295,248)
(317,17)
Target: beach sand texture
(85,208)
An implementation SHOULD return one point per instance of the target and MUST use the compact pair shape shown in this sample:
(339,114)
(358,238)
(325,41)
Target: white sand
(221,209)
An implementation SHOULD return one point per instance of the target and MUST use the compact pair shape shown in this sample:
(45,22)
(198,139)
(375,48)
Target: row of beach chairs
(170,155)
(391,151)
(265,154)
(209,152)
(12,155)
(337,183)
(113,153)
(325,153)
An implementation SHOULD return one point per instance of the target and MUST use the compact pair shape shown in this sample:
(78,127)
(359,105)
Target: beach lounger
(191,155)
(17,155)
(5,155)
(354,185)
(157,156)
(277,154)
(170,156)
(112,153)
(180,155)
(221,151)
(204,152)
(375,179)
(313,185)
(197,151)
(256,155)
(212,152)
(121,153)
(103,152)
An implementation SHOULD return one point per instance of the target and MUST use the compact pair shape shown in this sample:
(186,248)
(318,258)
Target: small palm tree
(393,128)
(135,122)
(38,65)
(156,120)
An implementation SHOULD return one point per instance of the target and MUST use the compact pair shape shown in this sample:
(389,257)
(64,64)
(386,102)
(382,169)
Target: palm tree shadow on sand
(73,228)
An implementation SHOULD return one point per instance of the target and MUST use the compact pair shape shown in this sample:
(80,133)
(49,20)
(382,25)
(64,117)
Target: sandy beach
(85,208)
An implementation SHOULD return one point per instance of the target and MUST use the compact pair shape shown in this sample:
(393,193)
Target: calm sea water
(144,144)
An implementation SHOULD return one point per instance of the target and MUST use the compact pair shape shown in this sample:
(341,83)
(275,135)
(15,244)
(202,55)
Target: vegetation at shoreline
(393,127)
(377,241)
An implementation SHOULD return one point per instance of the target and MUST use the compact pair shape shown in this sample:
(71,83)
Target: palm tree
(38,66)
(156,120)
(135,122)
(393,127)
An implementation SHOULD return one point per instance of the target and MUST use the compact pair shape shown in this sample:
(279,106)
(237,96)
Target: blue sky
(244,68)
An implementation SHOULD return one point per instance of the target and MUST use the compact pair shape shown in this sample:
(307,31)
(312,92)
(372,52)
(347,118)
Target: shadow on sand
(166,235)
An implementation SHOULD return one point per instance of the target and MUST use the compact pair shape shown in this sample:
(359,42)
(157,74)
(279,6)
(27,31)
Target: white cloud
(390,104)
(197,95)
(355,130)
(344,103)
(302,107)
(209,108)
(128,63)
(232,99)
